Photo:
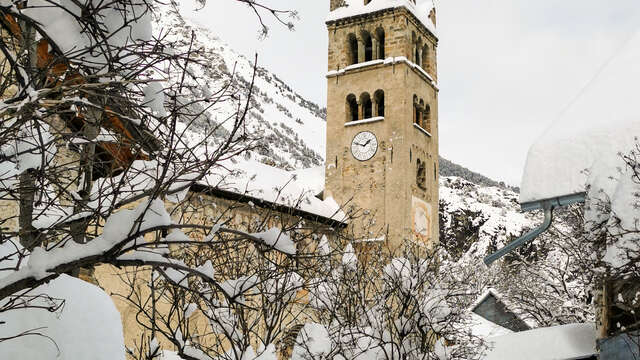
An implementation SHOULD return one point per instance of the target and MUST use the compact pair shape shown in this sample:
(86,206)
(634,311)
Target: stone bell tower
(382,119)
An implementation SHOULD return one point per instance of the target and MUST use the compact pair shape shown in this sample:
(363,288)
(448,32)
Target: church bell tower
(382,119)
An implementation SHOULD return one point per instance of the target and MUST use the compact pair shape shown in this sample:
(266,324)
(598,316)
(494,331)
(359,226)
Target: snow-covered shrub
(391,307)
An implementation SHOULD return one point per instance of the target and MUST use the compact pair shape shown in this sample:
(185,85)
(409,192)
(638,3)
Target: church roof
(420,10)
(295,190)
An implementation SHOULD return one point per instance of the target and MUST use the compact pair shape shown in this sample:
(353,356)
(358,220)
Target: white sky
(507,68)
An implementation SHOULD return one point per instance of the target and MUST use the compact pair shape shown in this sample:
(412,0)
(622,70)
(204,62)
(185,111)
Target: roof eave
(558,201)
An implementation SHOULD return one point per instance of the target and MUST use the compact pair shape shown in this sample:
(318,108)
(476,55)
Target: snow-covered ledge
(364,64)
(388,61)
(355,66)
(365,121)
(371,240)
(421,129)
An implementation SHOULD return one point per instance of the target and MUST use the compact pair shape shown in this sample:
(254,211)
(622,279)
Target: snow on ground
(582,146)
(88,326)
(358,7)
(573,341)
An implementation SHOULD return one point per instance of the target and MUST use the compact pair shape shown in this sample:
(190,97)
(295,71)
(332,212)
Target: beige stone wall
(386,184)
(207,210)
(5,68)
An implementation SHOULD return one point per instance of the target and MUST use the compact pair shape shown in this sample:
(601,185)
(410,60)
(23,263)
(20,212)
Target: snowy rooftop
(583,145)
(484,328)
(421,10)
(565,342)
(294,189)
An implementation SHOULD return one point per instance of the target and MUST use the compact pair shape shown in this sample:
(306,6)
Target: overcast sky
(507,68)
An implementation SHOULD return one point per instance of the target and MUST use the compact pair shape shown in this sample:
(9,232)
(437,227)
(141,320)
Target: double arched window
(364,107)
(421,113)
(365,46)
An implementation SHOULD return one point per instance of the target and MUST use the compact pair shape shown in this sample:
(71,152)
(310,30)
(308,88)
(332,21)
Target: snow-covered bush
(394,307)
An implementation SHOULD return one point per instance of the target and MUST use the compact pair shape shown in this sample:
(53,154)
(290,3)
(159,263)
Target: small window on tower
(352,49)
(368,46)
(427,118)
(352,108)
(421,175)
(425,57)
(378,97)
(416,111)
(421,119)
(380,36)
(367,106)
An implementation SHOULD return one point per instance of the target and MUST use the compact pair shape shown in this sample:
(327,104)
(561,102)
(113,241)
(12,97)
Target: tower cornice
(368,16)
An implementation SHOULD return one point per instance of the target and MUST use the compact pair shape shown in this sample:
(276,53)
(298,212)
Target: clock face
(364,146)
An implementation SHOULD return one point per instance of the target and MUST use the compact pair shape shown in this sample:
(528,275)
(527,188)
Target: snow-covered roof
(564,342)
(311,179)
(602,122)
(485,329)
(421,10)
(513,323)
(294,189)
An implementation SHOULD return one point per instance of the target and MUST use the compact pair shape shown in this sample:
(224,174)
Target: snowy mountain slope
(475,220)
(291,130)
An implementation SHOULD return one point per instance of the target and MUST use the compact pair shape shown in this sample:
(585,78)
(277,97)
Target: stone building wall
(204,209)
